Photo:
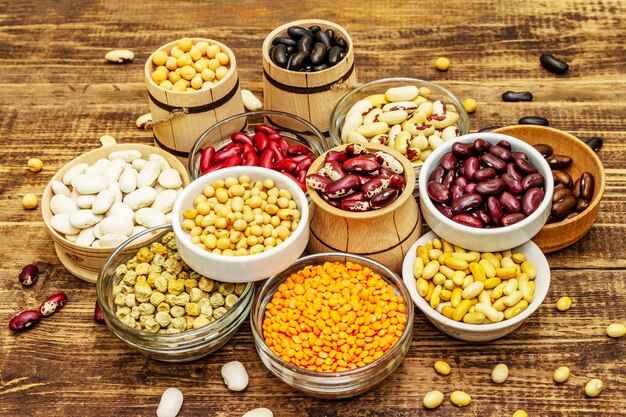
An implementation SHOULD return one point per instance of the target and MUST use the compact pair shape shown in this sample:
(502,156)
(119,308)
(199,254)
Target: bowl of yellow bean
(475,296)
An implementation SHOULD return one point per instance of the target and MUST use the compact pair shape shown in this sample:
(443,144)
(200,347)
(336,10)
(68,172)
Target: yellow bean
(447,246)
(418,267)
(510,287)
(490,270)
(433,399)
(499,304)
(491,283)
(422,287)
(459,249)
(506,262)
(445,295)
(515,310)
(594,387)
(430,269)
(456,297)
(447,311)
(431,288)
(475,317)
(498,291)
(439,278)
(434,253)
(513,299)
(466,256)
(456,263)
(561,374)
(472,290)
(491,313)
(442,367)
(520,413)
(467,281)
(421,252)
(564,303)
(460,398)
(437,244)
(527,291)
(458,277)
(616,330)
(470,105)
(448,272)
(506,272)
(478,272)
(500,373)
(493,260)
(449,285)
(518,258)
(529,269)
(484,298)
(461,310)
(434,298)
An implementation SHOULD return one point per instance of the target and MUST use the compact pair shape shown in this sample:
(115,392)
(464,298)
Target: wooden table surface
(59,96)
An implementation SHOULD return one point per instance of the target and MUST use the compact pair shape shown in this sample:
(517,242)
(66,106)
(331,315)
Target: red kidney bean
(456,191)
(206,158)
(241,138)
(361,164)
(250,159)
(355,205)
(302,185)
(490,187)
(509,203)
(482,215)
(24,320)
(305,164)
(512,185)
(449,161)
(494,208)
(374,186)
(466,203)
(279,154)
(437,174)
(396,181)
(512,171)
(543,149)
(297,149)
(335,202)
(267,159)
(460,181)
(532,180)
(364,178)
(531,200)
(562,177)
(581,205)
(437,192)
(301,177)
(485,174)
(317,182)
(248,148)
(384,198)
(233,161)
(343,186)
(29,274)
(470,167)
(221,156)
(516,155)
(286,164)
(98,315)
(512,218)
(501,152)
(53,304)
(274,137)
(357,149)
(559,161)
(524,166)
(481,145)
(448,179)
(463,149)
(587,184)
(445,210)
(340,157)
(265,129)
(229,146)
(504,144)
(467,220)
(470,188)
(261,141)
(493,161)
(213,168)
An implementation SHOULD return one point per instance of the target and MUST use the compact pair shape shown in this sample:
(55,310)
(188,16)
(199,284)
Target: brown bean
(558,186)
(53,304)
(564,204)
(29,274)
(512,218)
(501,152)
(513,171)
(360,164)
(485,174)
(559,194)
(374,186)
(437,174)
(437,192)
(449,161)
(490,187)
(559,161)
(466,203)
(576,188)
(470,166)
(512,185)
(510,204)
(562,177)
(581,205)
(493,161)
(524,166)
(532,180)
(343,186)
(24,320)
(384,198)
(494,208)
(531,200)
(481,215)
(569,216)
(467,220)
(587,183)
(543,149)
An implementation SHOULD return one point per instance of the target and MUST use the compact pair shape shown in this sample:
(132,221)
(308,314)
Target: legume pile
(473,287)
(159,293)
(333,317)
(236,217)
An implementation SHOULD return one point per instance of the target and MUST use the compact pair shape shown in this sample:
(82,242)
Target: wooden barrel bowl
(384,235)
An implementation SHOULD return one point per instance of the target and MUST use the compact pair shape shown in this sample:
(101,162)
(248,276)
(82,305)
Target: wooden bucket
(82,261)
(310,95)
(384,235)
(179,118)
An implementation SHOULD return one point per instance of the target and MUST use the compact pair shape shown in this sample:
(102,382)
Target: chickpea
(222,58)
(221,72)
(564,303)
(167,84)
(159,57)
(195,53)
(173,77)
(214,64)
(197,82)
(212,51)
(185,44)
(179,86)
(187,72)
(594,388)
(158,76)
(30,201)
(442,64)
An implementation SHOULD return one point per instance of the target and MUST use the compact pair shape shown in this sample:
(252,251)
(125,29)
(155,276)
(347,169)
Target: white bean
(115,225)
(58,188)
(138,229)
(81,219)
(61,223)
(138,163)
(405,93)
(98,168)
(121,210)
(103,202)
(160,159)
(250,101)
(95,244)
(112,241)
(60,203)
(148,175)
(91,185)
(259,412)
(71,238)
(85,237)
(128,181)
(85,201)
(149,217)
(141,197)
(128,155)
(74,171)
(96,231)
(170,404)
(170,178)
(165,201)
(115,187)
(235,376)
(113,172)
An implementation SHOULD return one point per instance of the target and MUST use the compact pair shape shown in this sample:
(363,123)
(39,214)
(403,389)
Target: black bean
(298,60)
(279,55)
(330,33)
(305,43)
(553,64)
(320,67)
(285,40)
(488,129)
(322,36)
(341,42)
(290,50)
(296,32)
(318,55)
(534,120)
(595,143)
(513,96)
(308,68)
(314,29)
(335,54)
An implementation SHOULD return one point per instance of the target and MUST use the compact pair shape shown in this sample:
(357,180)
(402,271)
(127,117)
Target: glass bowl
(332,385)
(180,347)
(294,130)
(379,87)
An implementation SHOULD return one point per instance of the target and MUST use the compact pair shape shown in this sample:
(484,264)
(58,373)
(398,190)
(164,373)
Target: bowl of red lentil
(333,325)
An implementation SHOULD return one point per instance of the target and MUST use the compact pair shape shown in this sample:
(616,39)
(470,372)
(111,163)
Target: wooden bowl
(85,262)
(556,236)
(385,234)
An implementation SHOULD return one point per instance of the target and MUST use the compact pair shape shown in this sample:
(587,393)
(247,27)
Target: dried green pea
(201,321)
(231,300)
(158,260)
(179,323)
(226,288)
(177,311)
(239,288)
(182,299)
(143,319)
(219,312)
(172,266)
(121,270)
(160,284)
(143,293)
(130,301)
(130,277)
(157,298)
(129,321)
(120,299)
(217,300)
(196,294)
(145,255)
(151,325)
(183,275)
(172,330)
(192,309)
(163,318)
(132,263)
(170,299)
(122,312)
(190,284)
(154,269)
(117,289)
(163,307)
(206,284)
(142,268)
(147,309)
(135,313)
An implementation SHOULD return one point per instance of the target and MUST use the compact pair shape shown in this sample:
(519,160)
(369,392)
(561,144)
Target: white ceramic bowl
(486,240)
(479,332)
(241,268)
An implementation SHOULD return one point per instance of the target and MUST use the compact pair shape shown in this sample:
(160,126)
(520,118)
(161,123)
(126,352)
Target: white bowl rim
(488,136)
(237,171)
(431,313)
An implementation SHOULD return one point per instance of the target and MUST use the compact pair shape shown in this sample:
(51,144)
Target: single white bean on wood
(141,197)
(103,202)
(259,412)
(170,178)
(235,376)
(149,217)
(165,201)
(250,101)
(116,225)
(61,223)
(171,402)
(74,171)
(81,219)
(127,156)
(148,175)
(111,241)
(58,188)
(60,203)
(91,185)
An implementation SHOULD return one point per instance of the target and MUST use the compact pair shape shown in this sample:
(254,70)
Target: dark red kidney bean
(267,159)
(466,202)
(302,185)
(490,187)
(512,171)
(516,155)
(396,181)
(305,164)
(532,180)
(386,172)
(534,120)
(595,143)
(512,218)
(494,208)
(261,141)
(581,205)
(241,138)
(278,153)
(461,181)
(248,148)
(485,174)
(448,179)
(24,320)
(279,55)
(29,274)
(250,159)
(284,147)
(221,156)
(53,304)
(553,64)
(267,130)
(587,184)
(504,144)
(233,161)
(206,158)
(449,160)
(445,210)
(463,149)
(214,168)
(300,158)
(355,205)
(361,164)
(564,205)
(343,186)
(470,167)
(301,177)
(437,192)
(481,215)
(385,198)
(98,315)
(374,186)
(357,149)
(493,161)
(512,185)
(317,182)
(274,136)
(524,166)
(509,203)
(296,149)
(562,177)
(514,96)
(467,220)
(456,192)
(559,161)
(482,145)
(323,37)
(544,149)
(437,174)
(531,200)
(575,188)
(340,157)
(333,202)
(471,187)
(286,164)
(500,152)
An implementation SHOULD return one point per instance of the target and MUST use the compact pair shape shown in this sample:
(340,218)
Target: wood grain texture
(59,96)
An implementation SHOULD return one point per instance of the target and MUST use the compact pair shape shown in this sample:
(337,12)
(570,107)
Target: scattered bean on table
(500,373)
(470,105)
(308,49)
(595,143)
(171,403)
(28,274)
(259,412)
(520,413)
(98,314)
(433,399)
(512,96)
(120,56)
(594,387)
(235,376)
(442,367)
(24,320)
(107,140)
(250,101)
(322,317)
(616,330)
(53,304)
(35,164)
(561,374)
(534,120)
(460,398)
(442,63)
(553,64)
(30,201)
(563,303)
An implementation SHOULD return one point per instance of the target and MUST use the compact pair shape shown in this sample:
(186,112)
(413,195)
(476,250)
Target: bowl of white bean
(101,198)
(471,295)
(412,116)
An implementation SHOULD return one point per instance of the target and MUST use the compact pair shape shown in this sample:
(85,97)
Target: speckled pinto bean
(343,186)
(24,320)
(53,304)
